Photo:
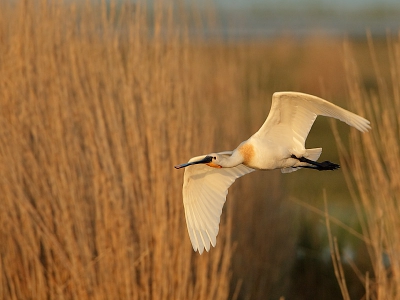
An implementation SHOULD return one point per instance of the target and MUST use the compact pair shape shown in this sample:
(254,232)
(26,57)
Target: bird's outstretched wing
(204,194)
(299,111)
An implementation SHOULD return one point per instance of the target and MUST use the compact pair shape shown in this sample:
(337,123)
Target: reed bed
(371,165)
(98,101)
(93,111)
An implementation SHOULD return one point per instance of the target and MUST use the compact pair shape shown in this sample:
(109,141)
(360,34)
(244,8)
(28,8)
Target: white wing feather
(204,194)
(299,111)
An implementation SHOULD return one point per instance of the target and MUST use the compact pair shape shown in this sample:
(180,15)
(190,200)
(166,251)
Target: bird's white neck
(232,161)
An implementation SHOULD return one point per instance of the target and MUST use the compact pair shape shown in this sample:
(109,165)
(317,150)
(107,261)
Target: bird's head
(212,160)
(215,160)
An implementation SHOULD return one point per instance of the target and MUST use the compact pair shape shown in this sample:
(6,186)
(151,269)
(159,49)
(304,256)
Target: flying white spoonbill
(278,144)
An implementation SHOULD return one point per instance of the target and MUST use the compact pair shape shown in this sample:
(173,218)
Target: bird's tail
(311,154)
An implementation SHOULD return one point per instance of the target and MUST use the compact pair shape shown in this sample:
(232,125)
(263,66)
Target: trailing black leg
(320,166)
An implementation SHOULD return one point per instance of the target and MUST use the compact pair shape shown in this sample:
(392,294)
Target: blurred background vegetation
(99,99)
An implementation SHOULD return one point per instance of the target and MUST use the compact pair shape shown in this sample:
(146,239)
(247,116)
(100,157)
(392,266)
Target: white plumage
(204,194)
(279,143)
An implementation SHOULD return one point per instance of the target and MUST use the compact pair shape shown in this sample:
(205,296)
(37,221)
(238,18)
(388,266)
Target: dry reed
(95,98)
(98,101)
(371,165)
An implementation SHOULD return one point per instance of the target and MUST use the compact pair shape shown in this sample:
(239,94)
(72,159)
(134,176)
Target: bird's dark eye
(214,157)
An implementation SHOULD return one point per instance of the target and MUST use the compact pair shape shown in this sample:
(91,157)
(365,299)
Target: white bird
(278,144)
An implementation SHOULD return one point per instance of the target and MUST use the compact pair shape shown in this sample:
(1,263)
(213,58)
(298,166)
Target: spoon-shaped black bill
(205,160)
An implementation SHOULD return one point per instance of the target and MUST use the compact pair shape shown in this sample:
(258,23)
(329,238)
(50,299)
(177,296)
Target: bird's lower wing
(204,194)
(298,111)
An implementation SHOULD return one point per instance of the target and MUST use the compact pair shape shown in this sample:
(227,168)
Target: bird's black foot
(327,165)
(323,166)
